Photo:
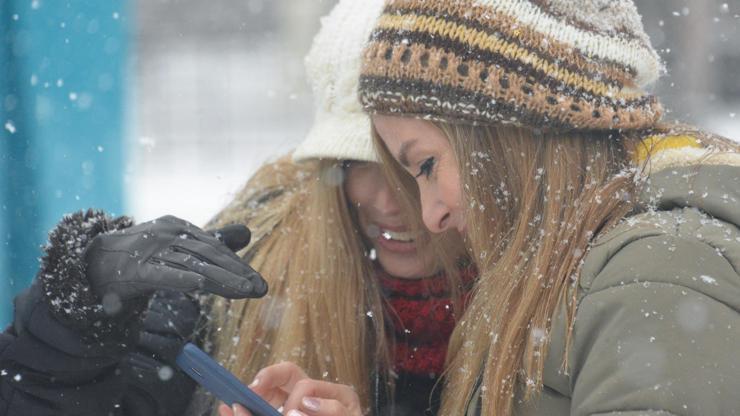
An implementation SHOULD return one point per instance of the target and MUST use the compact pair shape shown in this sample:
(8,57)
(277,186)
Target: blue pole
(63,77)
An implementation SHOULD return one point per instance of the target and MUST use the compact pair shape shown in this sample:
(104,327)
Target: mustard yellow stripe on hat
(654,144)
(482,40)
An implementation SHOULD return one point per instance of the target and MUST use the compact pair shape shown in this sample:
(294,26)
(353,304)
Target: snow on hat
(566,64)
(341,129)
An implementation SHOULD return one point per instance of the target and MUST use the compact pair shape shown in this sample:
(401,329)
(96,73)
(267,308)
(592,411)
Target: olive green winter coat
(657,330)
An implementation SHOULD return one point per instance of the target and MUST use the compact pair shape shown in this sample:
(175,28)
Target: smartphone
(220,382)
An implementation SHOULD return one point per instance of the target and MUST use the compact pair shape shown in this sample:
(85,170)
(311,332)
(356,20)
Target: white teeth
(397,235)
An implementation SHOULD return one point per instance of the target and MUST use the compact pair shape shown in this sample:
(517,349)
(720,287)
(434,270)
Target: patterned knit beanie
(554,64)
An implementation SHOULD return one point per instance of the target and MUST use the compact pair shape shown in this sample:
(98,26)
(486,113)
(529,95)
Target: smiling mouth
(402,236)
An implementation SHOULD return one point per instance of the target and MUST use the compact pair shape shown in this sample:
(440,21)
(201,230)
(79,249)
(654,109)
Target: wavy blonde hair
(541,198)
(324,310)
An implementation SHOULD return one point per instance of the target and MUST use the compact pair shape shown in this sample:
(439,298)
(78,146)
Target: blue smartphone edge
(220,381)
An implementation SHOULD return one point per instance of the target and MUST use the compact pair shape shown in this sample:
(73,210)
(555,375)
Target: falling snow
(708,280)
(9,126)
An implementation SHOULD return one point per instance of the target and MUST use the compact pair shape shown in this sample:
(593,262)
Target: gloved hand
(170,253)
(154,384)
(171,319)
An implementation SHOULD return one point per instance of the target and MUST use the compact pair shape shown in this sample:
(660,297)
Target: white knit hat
(341,129)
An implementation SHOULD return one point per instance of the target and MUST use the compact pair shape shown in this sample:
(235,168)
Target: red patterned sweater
(423,319)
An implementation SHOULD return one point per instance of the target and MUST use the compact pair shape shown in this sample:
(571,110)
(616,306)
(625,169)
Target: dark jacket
(121,366)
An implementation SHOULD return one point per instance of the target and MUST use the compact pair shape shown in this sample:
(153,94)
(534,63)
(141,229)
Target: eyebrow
(403,156)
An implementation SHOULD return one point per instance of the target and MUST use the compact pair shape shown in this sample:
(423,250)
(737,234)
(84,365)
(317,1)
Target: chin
(403,268)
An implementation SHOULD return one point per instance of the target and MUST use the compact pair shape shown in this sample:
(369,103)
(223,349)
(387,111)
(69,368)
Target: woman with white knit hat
(357,293)
(358,296)
(607,241)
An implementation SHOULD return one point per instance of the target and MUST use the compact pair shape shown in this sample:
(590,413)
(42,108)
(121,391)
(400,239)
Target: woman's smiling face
(425,152)
(382,222)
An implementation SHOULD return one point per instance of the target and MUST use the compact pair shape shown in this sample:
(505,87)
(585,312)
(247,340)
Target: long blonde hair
(535,201)
(324,310)
(543,198)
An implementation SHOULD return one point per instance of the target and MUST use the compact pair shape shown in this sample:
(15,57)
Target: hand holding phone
(219,381)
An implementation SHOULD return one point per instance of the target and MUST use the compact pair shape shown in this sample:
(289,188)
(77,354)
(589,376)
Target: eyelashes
(426,168)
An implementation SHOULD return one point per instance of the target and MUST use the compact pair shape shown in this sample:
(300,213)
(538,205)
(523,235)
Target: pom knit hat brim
(344,136)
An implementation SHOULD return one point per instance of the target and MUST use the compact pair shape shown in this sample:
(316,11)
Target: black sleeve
(61,354)
(46,368)
(64,356)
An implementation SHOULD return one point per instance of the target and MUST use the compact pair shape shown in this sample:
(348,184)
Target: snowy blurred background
(153,107)
(220,87)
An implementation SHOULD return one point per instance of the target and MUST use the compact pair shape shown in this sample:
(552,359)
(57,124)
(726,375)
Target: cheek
(353,190)
(358,200)
(451,187)
(359,190)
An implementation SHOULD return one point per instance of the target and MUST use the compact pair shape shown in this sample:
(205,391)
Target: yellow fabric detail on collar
(652,145)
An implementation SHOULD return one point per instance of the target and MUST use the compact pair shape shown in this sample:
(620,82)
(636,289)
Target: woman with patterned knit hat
(607,241)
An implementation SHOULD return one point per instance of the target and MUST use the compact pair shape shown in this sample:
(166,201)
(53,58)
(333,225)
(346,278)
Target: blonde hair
(535,201)
(542,199)
(324,310)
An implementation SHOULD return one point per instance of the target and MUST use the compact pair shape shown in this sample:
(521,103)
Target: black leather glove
(154,384)
(171,320)
(169,253)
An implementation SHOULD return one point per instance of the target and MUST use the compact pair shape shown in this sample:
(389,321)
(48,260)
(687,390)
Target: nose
(435,213)
(386,202)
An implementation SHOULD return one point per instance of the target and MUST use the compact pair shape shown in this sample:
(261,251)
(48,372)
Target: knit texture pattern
(63,271)
(556,64)
(423,320)
(341,129)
